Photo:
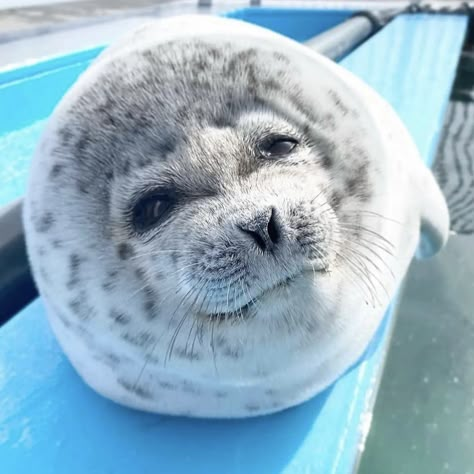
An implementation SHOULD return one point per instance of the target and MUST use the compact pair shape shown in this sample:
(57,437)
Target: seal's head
(216,222)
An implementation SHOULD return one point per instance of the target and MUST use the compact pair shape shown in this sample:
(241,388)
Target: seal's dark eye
(149,210)
(277,146)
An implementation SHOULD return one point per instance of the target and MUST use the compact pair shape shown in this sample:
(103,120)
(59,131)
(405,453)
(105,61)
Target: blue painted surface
(299,24)
(16,150)
(51,422)
(412,63)
(29,71)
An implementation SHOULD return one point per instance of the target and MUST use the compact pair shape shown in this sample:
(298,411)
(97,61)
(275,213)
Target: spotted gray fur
(67,323)
(44,275)
(188,387)
(150,303)
(56,170)
(187,354)
(111,280)
(125,251)
(141,339)
(81,307)
(57,243)
(74,268)
(45,223)
(109,359)
(232,352)
(140,273)
(140,391)
(167,386)
(119,317)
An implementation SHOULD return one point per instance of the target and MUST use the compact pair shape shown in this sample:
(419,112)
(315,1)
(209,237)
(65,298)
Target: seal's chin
(245,310)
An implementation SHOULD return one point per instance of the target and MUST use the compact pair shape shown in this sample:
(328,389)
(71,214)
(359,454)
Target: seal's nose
(263,228)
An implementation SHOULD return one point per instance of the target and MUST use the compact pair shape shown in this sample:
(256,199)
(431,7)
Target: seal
(217,218)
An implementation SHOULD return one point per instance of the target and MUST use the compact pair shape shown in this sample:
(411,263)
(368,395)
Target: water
(16,151)
(423,422)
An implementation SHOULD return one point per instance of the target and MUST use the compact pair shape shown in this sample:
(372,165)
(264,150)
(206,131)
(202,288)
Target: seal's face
(234,213)
(227,186)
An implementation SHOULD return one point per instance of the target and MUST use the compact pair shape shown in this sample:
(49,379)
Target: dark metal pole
(17,288)
(343,38)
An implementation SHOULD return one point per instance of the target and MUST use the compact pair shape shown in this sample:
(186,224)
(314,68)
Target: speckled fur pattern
(190,317)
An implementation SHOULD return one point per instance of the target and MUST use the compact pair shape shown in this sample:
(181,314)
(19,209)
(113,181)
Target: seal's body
(217,218)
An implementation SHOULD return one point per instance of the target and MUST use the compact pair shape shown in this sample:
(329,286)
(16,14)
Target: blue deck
(51,422)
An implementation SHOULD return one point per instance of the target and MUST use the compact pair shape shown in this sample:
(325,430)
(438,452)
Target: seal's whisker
(169,351)
(189,293)
(213,350)
(255,302)
(194,323)
(187,278)
(358,274)
(357,262)
(143,287)
(183,299)
(149,253)
(228,291)
(238,312)
(344,274)
(368,239)
(367,213)
(189,335)
(137,292)
(348,226)
(361,289)
(322,192)
(180,269)
(366,247)
(149,356)
(361,258)
(199,330)
(363,294)
(368,242)
(286,320)
(170,348)
(245,295)
(362,243)
(327,209)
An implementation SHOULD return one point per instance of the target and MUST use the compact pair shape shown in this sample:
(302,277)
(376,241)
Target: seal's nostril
(272,228)
(257,237)
(263,228)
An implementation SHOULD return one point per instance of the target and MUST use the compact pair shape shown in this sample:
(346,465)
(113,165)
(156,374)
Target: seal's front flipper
(434,217)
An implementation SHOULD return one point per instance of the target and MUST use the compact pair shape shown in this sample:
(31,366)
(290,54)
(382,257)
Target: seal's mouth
(244,311)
